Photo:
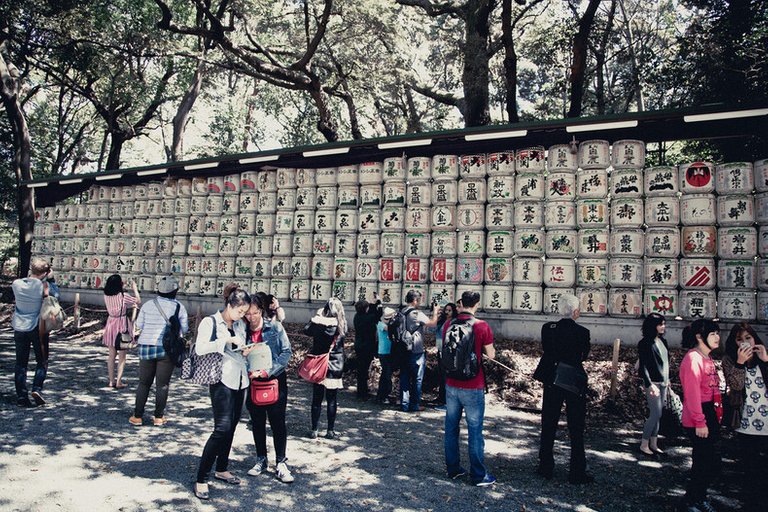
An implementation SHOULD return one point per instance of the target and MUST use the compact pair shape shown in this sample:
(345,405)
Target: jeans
(441,377)
(472,402)
(576,412)
(160,371)
(655,406)
(318,392)
(706,461)
(385,381)
(23,341)
(276,415)
(363,366)
(227,406)
(411,377)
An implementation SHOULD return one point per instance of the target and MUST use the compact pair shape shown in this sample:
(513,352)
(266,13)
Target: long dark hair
(651,322)
(114,285)
(731,347)
(442,317)
(263,301)
(234,296)
(703,327)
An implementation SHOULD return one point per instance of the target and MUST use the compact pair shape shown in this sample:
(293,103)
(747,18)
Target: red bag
(314,367)
(264,392)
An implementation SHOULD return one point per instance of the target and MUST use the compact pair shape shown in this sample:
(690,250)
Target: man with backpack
(465,340)
(407,329)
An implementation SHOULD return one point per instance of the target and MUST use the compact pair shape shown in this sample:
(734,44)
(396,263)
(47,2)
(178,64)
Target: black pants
(754,453)
(385,380)
(227,406)
(159,371)
(318,392)
(23,341)
(706,457)
(441,378)
(363,367)
(576,412)
(276,415)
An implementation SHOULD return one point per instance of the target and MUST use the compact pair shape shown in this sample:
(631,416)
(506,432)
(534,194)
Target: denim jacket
(274,335)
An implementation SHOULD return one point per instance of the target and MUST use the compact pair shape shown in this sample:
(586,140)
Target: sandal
(230,479)
(120,386)
(201,491)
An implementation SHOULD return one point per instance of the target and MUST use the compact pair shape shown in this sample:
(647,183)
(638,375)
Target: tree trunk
(249,117)
(633,58)
(181,118)
(600,60)
(325,122)
(579,60)
(510,61)
(476,70)
(115,148)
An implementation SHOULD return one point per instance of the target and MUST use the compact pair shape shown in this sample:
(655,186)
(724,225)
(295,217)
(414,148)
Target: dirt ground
(79,452)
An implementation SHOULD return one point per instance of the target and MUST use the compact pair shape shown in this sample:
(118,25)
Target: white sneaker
(283,473)
(259,467)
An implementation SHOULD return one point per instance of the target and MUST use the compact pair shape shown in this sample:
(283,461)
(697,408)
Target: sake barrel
(302,244)
(416,270)
(498,216)
(155,189)
(473,166)
(470,217)
(561,157)
(249,202)
(698,209)
(699,241)
(418,219)
(300,221)
(469,270)
(267,181)
(661,181)
(393,244)
(280,288)
(592,213)
(346,244)
(626,242)
(592,301)
(115,194)
(281,267)
(625,272)
(561,243)
(499,270)
(737,274)
(445,167)
(390,293)
(262,245)
(662,211)
(762,307)
(267,202)
(529,185)
(441,294)
(370,173)
(367,269)
(662,242)
(627,213)
(368,245)
(370,196)
(734,178)
(164,227)
(348,196)
(181,225)
(660,300)
(232,184)
(444,193)
(625,302)
(735,210)
(471,243)
(762,274)
(442,270)
(551,298)
(211,225)
(697,273)
(226,267)
(527,299)
(500,164)
(115,214)
(322,267)
(140,209)
(695,304)
(247,223)
(325,221)
(286,199)
(306,177)
(419,193)
(260,284)
(344,268)
(418,244)
(626,183)
(245,245)
(472,190)
(594,154)
(762,241)
(215,185)
(391,269)
(243,266)
(559,272)
(527,270)
(737,305)
(282,245)
(208,266)
(592,184)
(560,214)
(561,186)
(418,168)
(497,298)
(737,242)
(369,220)
(529,242)
(444,243)
(445,218)
(500,244)
(394,193)
(229,225)
(228,245)
(529,214)
(248,181)
(593,243)
(286,178)
(661,272)
(393,218)
(761,175)
(394,169)
(697,178)
(530,159)
(344,291)
(299,290)
(346,221)
(628,154)
(592,272)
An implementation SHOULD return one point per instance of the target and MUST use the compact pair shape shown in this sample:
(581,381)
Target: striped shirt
(152,323)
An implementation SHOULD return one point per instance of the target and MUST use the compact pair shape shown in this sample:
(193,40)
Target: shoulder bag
(205,369)
(314,367)
(570,378)
(125,335)
(264,392)
(52,315)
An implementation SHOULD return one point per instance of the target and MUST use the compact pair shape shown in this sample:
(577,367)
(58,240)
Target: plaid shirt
(151,352)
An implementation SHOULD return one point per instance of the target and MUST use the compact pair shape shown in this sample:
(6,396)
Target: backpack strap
(165,317)
(213,330)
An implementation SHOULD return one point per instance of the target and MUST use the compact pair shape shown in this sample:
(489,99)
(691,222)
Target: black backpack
(401,337)
(459,359)
(173,343)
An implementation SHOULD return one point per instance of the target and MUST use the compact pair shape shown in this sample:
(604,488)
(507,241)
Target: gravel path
(79,453)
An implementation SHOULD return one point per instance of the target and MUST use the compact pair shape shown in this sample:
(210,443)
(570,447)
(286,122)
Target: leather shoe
(201,491)
(586,478)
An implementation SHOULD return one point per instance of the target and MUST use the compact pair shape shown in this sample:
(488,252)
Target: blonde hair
(335,309)
(39,267)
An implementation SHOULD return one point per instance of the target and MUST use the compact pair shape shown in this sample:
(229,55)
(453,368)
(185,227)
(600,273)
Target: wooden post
(76,313)
(615,367)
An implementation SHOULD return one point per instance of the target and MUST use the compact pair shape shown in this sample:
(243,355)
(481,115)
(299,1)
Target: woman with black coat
(367,316)
(654,370)
(327,329)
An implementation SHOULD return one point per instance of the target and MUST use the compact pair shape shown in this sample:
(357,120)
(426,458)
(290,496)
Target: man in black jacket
(366,343)
(567,342)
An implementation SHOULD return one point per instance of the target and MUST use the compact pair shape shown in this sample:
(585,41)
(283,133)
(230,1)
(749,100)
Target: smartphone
(744,345)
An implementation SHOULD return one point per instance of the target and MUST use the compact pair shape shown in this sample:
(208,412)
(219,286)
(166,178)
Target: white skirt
(332,383)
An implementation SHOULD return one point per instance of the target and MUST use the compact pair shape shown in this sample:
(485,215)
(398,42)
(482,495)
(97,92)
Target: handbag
(205,369)
(264,392)
(52,315)
(674,405)
(570,378)
(314,367)
(126,336)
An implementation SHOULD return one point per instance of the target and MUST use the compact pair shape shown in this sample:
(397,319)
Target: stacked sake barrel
(761,216)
